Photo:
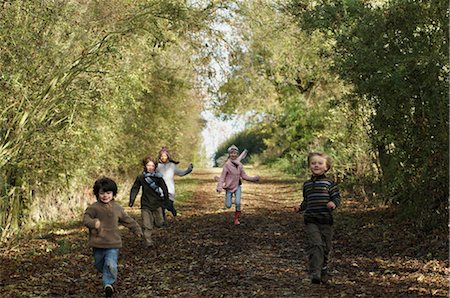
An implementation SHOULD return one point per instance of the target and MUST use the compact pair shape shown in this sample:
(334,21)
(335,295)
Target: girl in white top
(167,167)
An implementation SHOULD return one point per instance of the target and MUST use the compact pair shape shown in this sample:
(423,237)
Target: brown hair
(323,155)
(148,159)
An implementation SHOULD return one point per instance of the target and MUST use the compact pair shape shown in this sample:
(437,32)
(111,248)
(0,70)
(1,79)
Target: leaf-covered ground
(202,254)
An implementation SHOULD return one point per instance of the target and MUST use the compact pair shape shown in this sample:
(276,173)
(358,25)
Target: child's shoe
(315,279)
(324,276)
(237,214)
(109,290)
(149,244)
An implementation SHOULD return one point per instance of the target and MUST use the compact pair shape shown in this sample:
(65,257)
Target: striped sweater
(317,192)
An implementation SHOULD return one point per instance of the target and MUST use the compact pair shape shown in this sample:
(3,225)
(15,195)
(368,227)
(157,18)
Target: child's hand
(331,205)
(257,178)
(218,190)
(297,209)
(97,224)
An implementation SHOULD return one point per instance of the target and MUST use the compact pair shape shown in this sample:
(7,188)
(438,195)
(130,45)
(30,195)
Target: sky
(218,131)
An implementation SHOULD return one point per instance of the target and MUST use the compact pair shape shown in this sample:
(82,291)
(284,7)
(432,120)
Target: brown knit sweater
(109,215)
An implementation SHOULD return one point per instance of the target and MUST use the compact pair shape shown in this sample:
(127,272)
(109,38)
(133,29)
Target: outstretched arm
(304,203)
(129,222)
(335,197)
(90,219)
(249,178)
(134,191)
(242,155)
(221,179)
(184,172)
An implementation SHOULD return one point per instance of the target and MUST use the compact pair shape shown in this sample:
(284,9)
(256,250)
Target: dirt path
(202,254)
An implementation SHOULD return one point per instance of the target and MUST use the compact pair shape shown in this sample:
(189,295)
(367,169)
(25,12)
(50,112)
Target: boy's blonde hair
(323,155)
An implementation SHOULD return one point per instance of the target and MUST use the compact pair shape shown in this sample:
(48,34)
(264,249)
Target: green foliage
(395,56)
(250,139)
(88,88)
(283,74)
(364,81)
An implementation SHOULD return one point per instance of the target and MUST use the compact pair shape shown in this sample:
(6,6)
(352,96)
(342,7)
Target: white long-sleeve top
(169,170)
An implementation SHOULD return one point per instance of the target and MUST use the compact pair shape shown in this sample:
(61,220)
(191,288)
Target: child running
(320,197)
(154,197)
(167,167)
(103,218)
(229,180)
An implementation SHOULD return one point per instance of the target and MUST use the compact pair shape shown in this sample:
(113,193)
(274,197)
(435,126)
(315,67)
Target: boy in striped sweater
(320,197)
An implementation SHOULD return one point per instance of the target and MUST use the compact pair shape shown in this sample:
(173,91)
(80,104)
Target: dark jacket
(150,199)
(317,192)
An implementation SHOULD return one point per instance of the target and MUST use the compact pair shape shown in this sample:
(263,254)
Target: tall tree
(88,86)
(395,54)
(282,75)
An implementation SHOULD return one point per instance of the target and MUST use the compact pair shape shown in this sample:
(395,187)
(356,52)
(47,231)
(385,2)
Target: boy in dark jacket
(320,197)
(154,197)
(103,218)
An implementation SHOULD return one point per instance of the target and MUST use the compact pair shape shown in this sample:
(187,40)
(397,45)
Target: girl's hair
(166,151)
(105,184)
(323,155)
(148,159)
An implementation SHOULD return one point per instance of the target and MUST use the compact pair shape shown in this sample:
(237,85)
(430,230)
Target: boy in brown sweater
(103,218)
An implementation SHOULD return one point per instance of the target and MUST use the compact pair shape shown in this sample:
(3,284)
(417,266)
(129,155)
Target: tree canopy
(364,81)
(90,87)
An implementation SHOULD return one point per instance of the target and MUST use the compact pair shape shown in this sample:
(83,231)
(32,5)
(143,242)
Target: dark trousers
(171,208)
(150,220)
(319,247)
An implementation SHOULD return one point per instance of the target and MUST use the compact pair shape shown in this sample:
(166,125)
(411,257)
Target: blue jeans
(237,198)
(106,263)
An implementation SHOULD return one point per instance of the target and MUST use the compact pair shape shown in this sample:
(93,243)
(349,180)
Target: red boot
(237,214)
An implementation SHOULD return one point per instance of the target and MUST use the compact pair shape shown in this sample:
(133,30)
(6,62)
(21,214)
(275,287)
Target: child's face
(233,154)
(164,157)
(150,167)
(318,165)
(105,196)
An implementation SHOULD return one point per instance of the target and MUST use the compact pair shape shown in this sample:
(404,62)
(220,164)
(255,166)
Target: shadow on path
(202,254)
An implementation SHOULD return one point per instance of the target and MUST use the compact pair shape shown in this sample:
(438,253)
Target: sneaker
(315,279)
(149,245)
(109,290)
(324,276)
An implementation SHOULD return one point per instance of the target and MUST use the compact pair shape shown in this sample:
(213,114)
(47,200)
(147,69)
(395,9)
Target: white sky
(217,131)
